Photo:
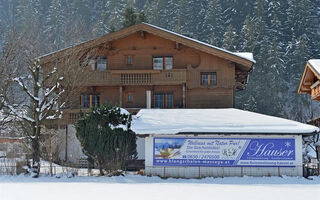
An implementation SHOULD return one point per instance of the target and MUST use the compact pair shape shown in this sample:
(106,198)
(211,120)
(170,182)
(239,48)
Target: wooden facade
(193,74)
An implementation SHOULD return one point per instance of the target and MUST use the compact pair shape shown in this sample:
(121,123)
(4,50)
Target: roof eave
(234,133)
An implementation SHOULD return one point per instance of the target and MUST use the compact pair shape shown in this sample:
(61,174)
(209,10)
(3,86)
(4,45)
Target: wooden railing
(136,77)
(70,116)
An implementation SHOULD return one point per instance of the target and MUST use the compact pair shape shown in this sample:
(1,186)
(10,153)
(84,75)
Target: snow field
(154,188)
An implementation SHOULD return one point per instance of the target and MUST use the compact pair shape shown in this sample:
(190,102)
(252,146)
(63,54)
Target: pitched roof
(230,120)
(245,60)
(311,70)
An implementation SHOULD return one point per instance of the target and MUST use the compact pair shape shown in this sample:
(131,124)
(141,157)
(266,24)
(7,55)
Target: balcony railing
(70,116)
(136,77)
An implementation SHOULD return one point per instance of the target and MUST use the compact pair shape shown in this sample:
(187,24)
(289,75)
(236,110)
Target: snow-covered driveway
(153,188)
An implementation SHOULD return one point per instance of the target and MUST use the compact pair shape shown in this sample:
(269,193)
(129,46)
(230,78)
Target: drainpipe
(66,151)
(148,100)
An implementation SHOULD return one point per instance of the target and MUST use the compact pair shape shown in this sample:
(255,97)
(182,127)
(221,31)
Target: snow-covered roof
(246,55)
(315,64)
(230,120)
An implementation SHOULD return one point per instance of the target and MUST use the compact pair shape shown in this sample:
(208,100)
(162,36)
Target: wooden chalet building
(144,66)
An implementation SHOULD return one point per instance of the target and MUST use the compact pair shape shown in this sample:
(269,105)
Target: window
(165,62)
(163,100)
(158,101)
(168,62)
(101,63)
(92,63)
(208,78)
(98,63)
(130,97)
(169,101)
(85,101)
(89,100)
(128,60)
(158,63)
(95,100)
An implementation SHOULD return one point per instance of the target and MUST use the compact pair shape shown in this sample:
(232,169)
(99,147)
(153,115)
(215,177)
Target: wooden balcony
(70,116)
(315,91)
(136,77)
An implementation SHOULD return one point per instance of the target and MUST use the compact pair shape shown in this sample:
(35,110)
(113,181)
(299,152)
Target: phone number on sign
(211,157)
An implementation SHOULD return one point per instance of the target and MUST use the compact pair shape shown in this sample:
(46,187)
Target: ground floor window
(89,100)
(163,100)
(130,97)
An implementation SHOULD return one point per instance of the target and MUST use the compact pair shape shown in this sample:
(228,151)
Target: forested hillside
(282,34)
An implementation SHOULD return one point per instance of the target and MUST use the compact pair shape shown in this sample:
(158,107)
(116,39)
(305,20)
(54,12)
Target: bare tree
(45,87)
(8,68)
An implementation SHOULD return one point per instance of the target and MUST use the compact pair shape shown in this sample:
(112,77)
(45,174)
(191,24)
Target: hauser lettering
(267,149)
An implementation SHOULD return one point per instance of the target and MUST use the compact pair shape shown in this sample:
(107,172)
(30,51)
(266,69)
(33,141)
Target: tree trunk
(100,168)
(35,168)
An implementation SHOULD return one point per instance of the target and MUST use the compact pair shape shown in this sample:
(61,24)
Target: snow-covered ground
(153,188)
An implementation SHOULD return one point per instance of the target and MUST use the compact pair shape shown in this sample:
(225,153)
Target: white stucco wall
(141,148)
(74,150)
(199,172)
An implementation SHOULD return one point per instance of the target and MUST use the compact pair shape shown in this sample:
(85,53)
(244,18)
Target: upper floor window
(164,62)
(158,63)
(128,59)
(92,63)
(168,62)
(101,63)
(98,63)
(208,78)
(89,100)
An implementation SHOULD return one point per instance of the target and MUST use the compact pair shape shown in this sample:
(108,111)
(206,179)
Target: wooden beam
(143,34)
(121,94)
(177,46)
(184,90)
(314,85)
(240,86)
(307,83)
(108,45)
(305,89)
